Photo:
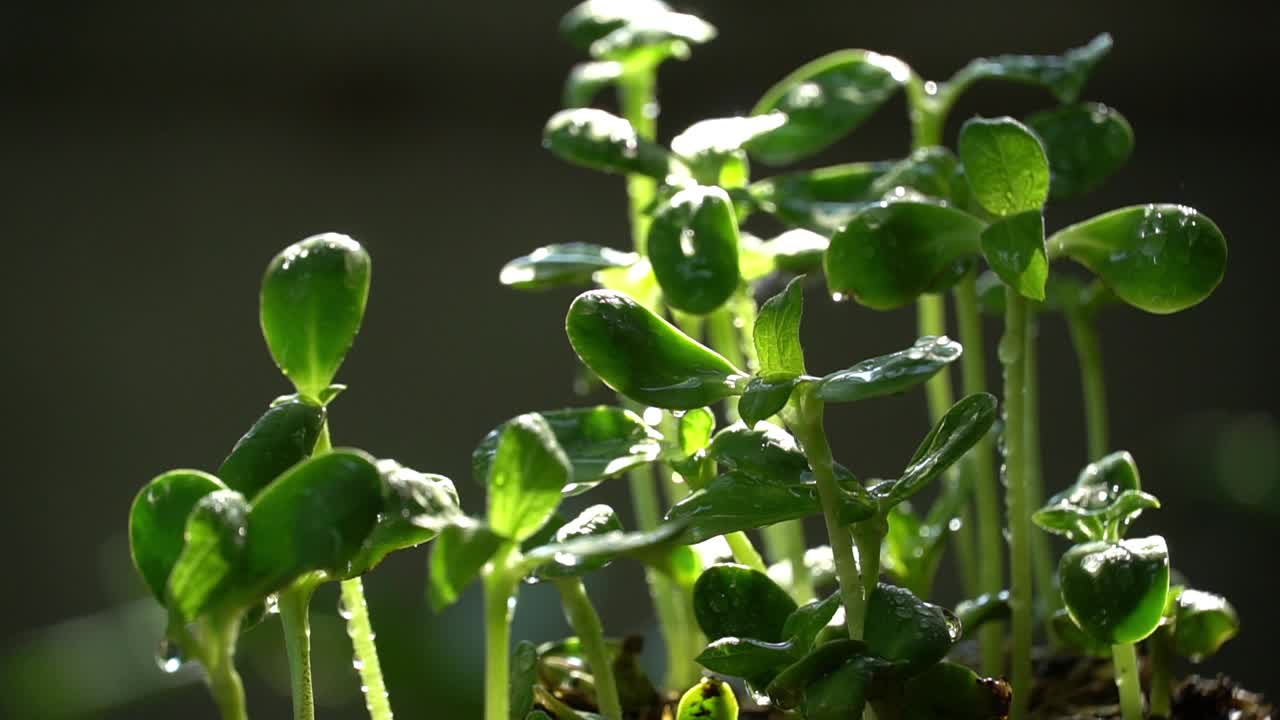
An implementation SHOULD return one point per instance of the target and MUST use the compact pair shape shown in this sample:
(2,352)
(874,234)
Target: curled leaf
(1116,591)
(560,265)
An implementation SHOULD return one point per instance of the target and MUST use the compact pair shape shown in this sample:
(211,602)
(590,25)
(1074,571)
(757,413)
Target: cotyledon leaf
(889,374)
(563,264)
(158,519)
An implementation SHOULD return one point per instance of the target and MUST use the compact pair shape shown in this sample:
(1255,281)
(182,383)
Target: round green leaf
(600,442)
(1158,258)
(707,144)
(1204,622)
(313,298)
(158,519)
(736,601)
(901,627)
(598,140)
(559,265)
(1014,248)
(1005,164)
(948,691)
(1087,143)
(822,200)
(797,251)
(1116,591)
(457,557)
(755,661)
(283,437)
(769,453)
(890,374)
(825,100)
(526,478)
(644,357)
(212,555)
(693,247)
(891,253)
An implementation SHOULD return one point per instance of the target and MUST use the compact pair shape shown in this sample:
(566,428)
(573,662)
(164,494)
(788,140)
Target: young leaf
(313,298)
(695,429)
(1014,248)
(652,547)
(598,140)
(1067,633)
(1087,143)
(587,79)
(777,331)
(706,145)
(600,442)
(931,171)
(1158,258)
(770,453)
(797,251)
(314,517)
(1203,623)
(979,611)
(1104,500)
(803,625)
(736,601)
(1063,75)
(825,100)
(212,555)
(158,519)
(765,397)
(787,689)
(959,430)
(1005,164)
(416,507)
(283,437)
(594,521)
(843,693)
(890,374)
(693,247)
(755,661)
(1116,591)
(822,200)
(457,557)
(710,699)
(559,265)
(891,253)
(644,357)
(524,675)
(901,627)
(649,38)
(528,473)
(593,19)
(948,691)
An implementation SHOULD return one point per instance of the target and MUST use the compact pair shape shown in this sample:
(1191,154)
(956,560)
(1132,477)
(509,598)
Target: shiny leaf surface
(415,508)
(524,675)
(1116,591)
(1087,143)
(644,357)
(600,442)
(765,397)
(788,688)
(527,475)
(652,547)
(212,554)
(901,627)
(889,374)
(158,520)
(593,19)
(959,430)
(598,140)
(948,691)
(587,79)
(825,100)
(803,625)
(693,248)
(976,612)
(1005,164)
(1158,258)
(1204,622)
(755,661)
(822,200)
(797,251)
(707,144)
(651,37)
(594,521)
(1014,248)
(313,298)
(560,265)
(736,601)
(457,556)
(891,253)
(930,171)
(283,437)
(777,332)
(843,693)
(1104,500)
(1063,75)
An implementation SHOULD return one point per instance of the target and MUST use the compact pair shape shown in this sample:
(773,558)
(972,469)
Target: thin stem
(1127,683)
(1161,660)
(1041,557)
(744,552)
(966,551)
(1013,355)
(931,319)
(809,431)
(499,605)
(295,604)
(227,690)
(1084,336)
(638,97)
(980,467)
(868,536)
(360,629)
(582,617)
(725,339)
(219,662)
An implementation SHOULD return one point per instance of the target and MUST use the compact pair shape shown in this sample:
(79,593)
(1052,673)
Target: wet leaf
(1104,500)
(587,79)
(822,200)
(1087,143)
(458,555)
(593,19)
(1116,591)
(901,627)
(283,437)
(1063,75)
(526,478)
(650,37)
(959,430)
(594,521)
(158,520)
(415,508)
(559,265)
(651,547)
(777,332)
(644,357)
(797,251)
(931,171)
(736,601)
(1204,622)
(707,145)
(765,397)
(891,253)
(598,140)
(889,374)
(825,100)
(788,688)
(693,248)
(212,555)
(843,693)
(1005,164)
(1014,248)
(803,625)
(601,442)
(948,691)
(1158,258)
(755,661)
(313,298)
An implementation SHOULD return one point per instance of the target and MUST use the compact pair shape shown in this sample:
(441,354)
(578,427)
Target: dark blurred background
(153,157)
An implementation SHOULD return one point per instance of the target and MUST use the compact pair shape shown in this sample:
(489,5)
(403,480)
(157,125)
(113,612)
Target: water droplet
(169,657)
(839,297)
(358,664)
(343,611)
(273,605)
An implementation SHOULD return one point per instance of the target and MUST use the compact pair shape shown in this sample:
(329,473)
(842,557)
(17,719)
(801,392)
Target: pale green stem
(228,691)
(980,466)
(1084,336)
(356,611)
(809,430)
(1013,356)
(295,604)
(1127,682)
(582,617)
(1161,659)
(218,658)
(499,605)
(1041,557)
(726,339)
(744,552)
(638,98)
